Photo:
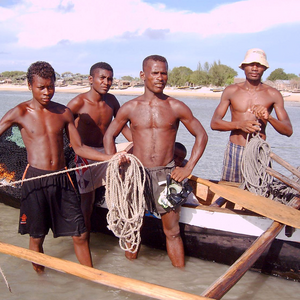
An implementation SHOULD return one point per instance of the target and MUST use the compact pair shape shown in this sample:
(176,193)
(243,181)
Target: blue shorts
(232,163)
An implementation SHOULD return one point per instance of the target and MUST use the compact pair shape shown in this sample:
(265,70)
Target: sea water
(152,266)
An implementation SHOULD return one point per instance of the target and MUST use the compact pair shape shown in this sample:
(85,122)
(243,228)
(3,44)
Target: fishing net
(13,159)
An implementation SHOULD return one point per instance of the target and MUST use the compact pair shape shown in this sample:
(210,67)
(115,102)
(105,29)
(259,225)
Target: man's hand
(180,174)
(250,126)
(260,112)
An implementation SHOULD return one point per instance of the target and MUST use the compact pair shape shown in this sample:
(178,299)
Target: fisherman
(49,202)
(154,120)
(251,103)
(93,111)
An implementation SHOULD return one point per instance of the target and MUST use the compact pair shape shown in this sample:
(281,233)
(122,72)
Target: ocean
(152,266)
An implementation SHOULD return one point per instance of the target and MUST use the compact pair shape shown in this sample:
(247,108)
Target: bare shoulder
(271,91)
(233,88)
(112,100)
(77,102)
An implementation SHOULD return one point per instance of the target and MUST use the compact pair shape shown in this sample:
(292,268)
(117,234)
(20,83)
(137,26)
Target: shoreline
(204,92)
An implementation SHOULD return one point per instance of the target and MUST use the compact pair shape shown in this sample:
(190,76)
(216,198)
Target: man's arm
(282,124)
(9,119)
(196,129)
(76,143)
(75,104)
(126,130)
(114,129)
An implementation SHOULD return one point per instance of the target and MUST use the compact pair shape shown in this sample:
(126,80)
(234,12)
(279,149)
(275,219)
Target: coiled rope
(256,158)
(125,201)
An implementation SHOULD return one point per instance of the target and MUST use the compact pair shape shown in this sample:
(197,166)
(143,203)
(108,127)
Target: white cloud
(46,23)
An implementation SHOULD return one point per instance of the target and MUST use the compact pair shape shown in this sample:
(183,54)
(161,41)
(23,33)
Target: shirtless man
(154,119)
(251,103)
(93,111)
(49,202)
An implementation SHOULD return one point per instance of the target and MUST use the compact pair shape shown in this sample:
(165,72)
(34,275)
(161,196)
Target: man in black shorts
(49,202)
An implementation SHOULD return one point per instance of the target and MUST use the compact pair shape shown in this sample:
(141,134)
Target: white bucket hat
(255,55)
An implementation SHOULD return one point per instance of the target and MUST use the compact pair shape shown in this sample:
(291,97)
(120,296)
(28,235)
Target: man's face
(155,76)
(42,89)
(101,81)
(254,71)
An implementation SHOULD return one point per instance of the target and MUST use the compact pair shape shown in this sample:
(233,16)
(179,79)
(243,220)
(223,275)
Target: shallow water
(152,266)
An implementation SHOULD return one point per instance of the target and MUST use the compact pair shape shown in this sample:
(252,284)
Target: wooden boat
(221,234)
(211,233)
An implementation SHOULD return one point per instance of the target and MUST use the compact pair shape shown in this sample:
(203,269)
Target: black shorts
(50,202)
(156,181)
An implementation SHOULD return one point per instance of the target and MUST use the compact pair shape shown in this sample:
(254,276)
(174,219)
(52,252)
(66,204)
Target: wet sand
(204,92)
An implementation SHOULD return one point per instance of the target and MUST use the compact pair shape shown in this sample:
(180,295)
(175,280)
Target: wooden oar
(222,285)
(261,205)
(98,276)
(285,164)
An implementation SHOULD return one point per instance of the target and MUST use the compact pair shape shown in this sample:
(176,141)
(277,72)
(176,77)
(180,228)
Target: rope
(12,183)
(256,158)
(125,201)
(5,280)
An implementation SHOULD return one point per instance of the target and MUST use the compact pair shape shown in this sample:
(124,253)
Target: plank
(261,205)
(285,164)
(224,283)
(98,276)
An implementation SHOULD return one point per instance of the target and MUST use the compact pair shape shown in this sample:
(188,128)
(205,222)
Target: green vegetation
(215,74)
(279,74)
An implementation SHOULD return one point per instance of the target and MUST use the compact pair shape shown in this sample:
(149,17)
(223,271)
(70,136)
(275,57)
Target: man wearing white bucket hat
(251,103)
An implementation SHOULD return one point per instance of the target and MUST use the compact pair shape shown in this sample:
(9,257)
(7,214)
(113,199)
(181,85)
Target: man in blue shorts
(251,103)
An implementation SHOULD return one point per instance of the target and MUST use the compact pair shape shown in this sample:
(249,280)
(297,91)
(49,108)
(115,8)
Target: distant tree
(221,74)
(291,76)
(67,77)
(11,74)
(201,75)
(180,76)
(278,74)
(127,78)
(57,75)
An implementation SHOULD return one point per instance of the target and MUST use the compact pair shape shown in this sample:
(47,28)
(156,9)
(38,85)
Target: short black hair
(100,65)
(181,147)
(155,58)
(42,69)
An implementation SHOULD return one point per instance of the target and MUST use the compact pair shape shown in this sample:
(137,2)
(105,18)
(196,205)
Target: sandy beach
(204,92)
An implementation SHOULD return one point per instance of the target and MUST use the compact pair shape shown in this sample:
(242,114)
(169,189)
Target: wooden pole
(285,164)
(284,179)
(98,276)
(222,285)
(261,205)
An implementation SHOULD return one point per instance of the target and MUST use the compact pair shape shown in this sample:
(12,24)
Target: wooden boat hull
(221,235)
(215,234)
(280,259)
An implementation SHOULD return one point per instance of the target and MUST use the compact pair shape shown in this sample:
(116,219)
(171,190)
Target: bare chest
(242,102)
(95,115)
(154,118)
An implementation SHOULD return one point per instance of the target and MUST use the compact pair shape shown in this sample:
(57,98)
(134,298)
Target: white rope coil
(125,201)
(255,160)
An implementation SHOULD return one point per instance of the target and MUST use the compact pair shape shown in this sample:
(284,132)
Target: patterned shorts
(232,163)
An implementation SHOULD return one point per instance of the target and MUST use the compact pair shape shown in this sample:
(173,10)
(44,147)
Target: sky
(72,35)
